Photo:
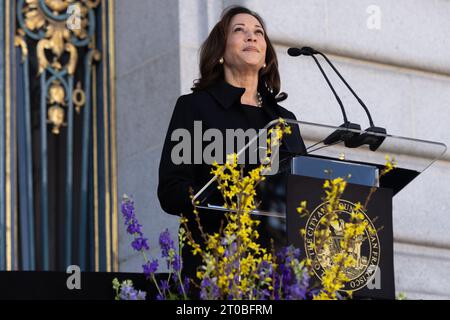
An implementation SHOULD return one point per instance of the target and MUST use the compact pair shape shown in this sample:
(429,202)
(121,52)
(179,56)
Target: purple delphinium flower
(296,292)
(264,294)
(306,279)
(289,284)
(296,253)
(164,285)
(230,250)
(176,263)
(286,273)
(166,243)
(127,292)
(265,269)
(133,226)
(204,286)
(127,209)
(139,244)
(209,290)
(186,284)
(141,295)
(304,283)
(298,289)
(150,268)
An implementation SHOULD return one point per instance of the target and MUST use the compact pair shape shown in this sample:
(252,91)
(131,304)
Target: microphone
(306,51)
(341,134)
(374,141)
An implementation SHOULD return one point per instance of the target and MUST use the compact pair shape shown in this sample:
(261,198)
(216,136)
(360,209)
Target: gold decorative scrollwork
(56,93)
(57,37)
(19,40)
(56,118)
(78,97)
(48,21)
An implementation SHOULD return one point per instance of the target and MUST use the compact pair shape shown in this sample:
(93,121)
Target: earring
(264,65)
(221,60)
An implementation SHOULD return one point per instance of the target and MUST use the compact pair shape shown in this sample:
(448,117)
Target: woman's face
(246,45)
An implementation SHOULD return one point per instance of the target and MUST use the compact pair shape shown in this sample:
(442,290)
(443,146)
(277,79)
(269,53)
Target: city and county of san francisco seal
(365,249)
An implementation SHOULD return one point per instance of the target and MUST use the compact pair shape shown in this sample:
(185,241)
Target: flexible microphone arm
(349,88)
(352,141)
(307,51)
(374,141)
(332,89)
(340,134)
(311,52)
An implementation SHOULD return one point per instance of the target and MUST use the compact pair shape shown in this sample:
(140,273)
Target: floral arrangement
(168,253)
(234,265)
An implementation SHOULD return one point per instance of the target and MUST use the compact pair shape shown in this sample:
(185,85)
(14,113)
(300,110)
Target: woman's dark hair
(211,71)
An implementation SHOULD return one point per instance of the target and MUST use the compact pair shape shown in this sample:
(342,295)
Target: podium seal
(364,249)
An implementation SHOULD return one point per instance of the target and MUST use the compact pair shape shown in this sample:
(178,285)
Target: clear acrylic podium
(413,156)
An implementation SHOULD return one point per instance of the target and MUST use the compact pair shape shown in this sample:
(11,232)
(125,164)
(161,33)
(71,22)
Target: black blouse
(256,116)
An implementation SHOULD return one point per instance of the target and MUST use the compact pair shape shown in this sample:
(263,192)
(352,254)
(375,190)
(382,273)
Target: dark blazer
(217,107)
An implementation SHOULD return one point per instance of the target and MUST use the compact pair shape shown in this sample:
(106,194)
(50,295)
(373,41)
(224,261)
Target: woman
(238,89)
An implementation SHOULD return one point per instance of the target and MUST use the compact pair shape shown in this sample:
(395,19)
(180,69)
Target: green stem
(182,285)
(156,284)
(153,276)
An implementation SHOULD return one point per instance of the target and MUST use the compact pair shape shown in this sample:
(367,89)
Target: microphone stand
(351,140)
(343,134)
